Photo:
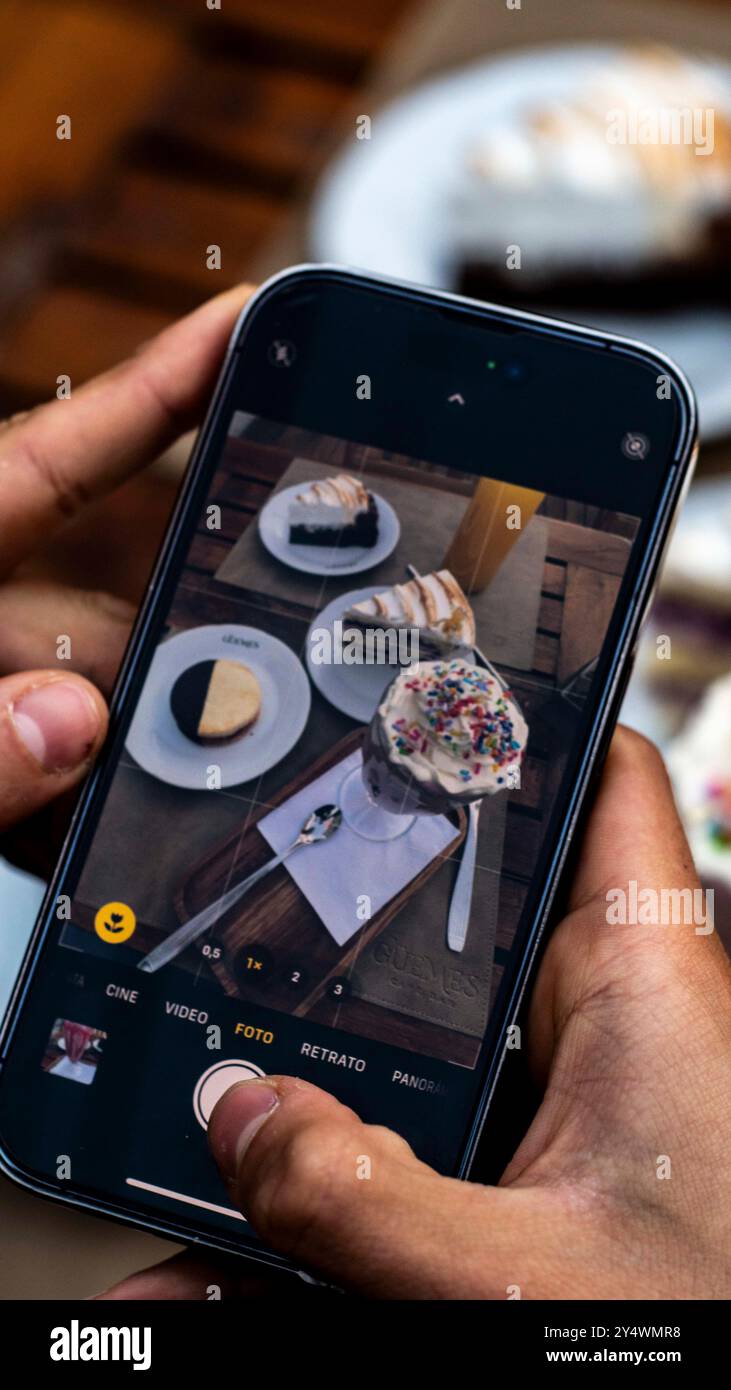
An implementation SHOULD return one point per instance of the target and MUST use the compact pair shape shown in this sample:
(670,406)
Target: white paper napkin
(75,1071)
(348,875)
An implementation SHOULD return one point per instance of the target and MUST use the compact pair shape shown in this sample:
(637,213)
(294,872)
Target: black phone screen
(378,644)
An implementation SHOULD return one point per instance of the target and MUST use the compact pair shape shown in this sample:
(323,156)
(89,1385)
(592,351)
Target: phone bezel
(677,481)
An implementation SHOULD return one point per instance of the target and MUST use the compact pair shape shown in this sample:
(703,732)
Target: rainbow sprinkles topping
(458,719)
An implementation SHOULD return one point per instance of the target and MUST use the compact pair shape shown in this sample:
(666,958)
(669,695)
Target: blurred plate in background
(387,203)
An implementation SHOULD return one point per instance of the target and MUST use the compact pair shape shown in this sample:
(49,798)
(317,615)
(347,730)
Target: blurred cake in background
(699,760)
(618,195)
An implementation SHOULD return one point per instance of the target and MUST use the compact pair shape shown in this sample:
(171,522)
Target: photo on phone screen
(228,706)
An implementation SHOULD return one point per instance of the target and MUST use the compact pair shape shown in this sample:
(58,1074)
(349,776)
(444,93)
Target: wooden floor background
(189,126)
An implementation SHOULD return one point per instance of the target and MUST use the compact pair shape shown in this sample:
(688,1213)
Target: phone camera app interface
(317,843)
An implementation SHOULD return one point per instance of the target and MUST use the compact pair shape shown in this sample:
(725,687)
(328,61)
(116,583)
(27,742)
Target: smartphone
(370,687)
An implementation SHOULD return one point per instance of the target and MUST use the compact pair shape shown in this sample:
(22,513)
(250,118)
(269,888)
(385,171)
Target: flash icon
(282,353)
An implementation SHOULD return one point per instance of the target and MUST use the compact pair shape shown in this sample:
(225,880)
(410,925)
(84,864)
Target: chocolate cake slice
(337,511)
(433,605)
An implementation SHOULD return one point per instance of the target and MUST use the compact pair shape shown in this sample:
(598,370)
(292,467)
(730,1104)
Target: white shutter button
(215,1082)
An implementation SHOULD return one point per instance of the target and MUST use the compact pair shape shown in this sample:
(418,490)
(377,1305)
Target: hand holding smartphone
(403,580)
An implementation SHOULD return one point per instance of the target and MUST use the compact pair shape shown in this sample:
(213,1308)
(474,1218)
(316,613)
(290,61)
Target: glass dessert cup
(375,805)
(382,799)
(77,1038)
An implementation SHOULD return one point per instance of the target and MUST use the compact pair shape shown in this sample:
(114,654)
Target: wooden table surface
(189,126)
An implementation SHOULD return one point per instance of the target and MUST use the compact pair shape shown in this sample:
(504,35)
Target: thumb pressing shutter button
(215,1082)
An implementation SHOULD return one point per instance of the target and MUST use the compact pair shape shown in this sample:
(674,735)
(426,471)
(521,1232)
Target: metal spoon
(320,825)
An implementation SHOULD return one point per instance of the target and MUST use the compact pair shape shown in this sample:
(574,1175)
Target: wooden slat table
(190,126)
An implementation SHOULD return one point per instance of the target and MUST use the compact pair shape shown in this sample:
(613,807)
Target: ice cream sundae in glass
(446,733)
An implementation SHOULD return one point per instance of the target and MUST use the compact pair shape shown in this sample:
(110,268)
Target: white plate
(158,745)
(383,205)
(354,690)
(351,559)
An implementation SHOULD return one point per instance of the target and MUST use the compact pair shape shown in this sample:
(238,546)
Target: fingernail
(57,723)
(237,1117)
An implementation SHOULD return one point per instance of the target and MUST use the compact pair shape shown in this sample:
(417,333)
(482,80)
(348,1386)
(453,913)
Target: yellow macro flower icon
(114,923)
